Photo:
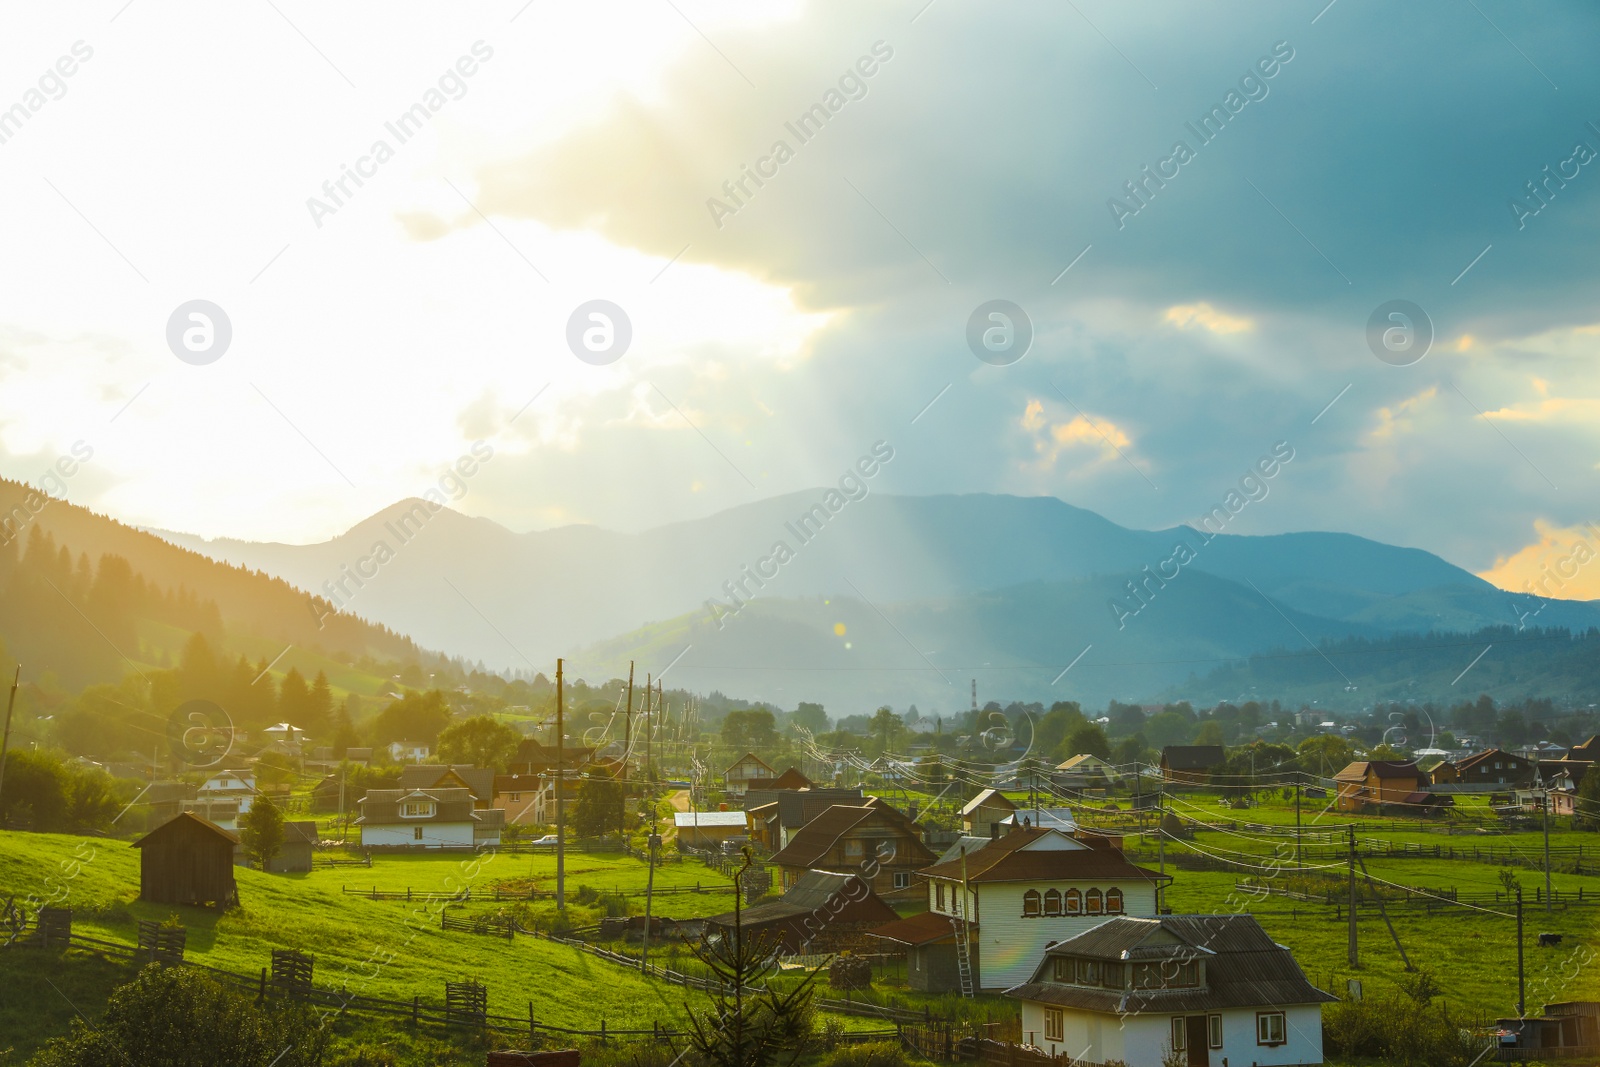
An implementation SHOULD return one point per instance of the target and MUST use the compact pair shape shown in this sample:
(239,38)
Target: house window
(1074,902)
(1030,904)
(1088,972)
(416,833)
(902,879)
(1111,975)
(1053,1029)
(1092,902)
(938,896)
(1052,902)
(1270,1028)
(1063,970)
(1178,1033)
(852,848)
(515,797)
(1214,1029)
(417,809)
(1113,902)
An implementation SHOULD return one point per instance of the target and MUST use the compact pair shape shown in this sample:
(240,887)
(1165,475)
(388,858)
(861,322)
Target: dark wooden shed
(187,860)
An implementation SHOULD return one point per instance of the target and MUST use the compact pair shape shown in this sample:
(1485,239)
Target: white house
(1030,888)
(426,818)
(408,751)
(229,786)
(1213,989)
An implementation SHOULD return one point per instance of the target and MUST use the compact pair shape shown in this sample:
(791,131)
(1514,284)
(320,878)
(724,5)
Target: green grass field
(390,949)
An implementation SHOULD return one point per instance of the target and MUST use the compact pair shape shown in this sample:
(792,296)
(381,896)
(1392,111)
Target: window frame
(902,879)
(416,833)
(1214,1030)
(1266,1017)
(938,896)
(1094,902)
(1114,894)
(1088,972)
(1180,1034)
(1072,902)
(417,809)
(1032,904)
(1054,1024)
(1063,969)
(1052,902)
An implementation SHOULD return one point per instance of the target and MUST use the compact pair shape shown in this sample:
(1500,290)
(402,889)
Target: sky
(805,210)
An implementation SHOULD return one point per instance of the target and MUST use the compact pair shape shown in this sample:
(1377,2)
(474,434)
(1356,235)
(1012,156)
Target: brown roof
(1004,860)
(185,817)
(382,806)
(789,779)
(300,832)
(812,842)
(425,775)
(1243,966)
(928,928)
(1361,770)
(1478,757)
(812,891)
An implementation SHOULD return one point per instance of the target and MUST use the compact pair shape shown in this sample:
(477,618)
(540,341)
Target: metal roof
(695,819)
(1243,966)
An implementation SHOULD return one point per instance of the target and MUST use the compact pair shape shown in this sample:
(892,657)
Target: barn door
(1197,1040)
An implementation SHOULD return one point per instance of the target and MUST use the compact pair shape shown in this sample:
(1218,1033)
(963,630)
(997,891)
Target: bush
(176,1016)
(870,1054)
(1399,1030)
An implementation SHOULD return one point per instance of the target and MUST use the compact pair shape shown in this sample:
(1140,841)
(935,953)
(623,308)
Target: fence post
(263,993)
(416,1009)
(530,1024)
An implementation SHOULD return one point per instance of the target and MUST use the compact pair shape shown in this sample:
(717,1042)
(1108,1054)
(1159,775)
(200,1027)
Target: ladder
(963,955)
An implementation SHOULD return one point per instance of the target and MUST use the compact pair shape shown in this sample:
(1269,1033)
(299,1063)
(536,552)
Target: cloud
(1560,563)
(1051,439)
(1399,418)
(1206,317)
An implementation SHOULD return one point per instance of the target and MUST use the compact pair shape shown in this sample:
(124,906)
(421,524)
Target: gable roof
(812,842)
(748,756)
(813,890)
(1361,770)
(382,806)
(789,779)
(1192,757)
(300,833)
(1478,757)
(1008,859)
(1243,966)
(181,821)
(1086,762)
(480,780)
(1051,818)
(924,928)
(986,798)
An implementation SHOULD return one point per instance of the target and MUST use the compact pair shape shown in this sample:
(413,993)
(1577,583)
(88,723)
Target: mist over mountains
(894,599)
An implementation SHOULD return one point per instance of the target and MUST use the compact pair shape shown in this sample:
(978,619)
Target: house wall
(1140,1040)
(434,835)
(934,968)
(1012,946)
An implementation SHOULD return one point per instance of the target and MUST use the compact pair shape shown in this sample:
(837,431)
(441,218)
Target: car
(547,839)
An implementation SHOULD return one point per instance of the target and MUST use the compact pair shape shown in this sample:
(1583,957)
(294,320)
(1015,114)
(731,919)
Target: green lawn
(390,949)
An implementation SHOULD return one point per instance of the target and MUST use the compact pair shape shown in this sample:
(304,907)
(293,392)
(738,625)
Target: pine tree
(261,831)
(750,1023)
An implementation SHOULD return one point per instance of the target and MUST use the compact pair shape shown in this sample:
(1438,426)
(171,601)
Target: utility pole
(1522,989)
(1297,860)
(5,740)
(561,816)
(1161,840)
(627,723)
(649,684)
(1355,958)
(1544,807)
(650,885)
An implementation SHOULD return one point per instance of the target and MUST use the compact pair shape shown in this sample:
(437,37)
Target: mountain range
(885,599)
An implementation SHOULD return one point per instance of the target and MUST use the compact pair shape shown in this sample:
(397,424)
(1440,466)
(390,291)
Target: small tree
(261,831)
(600,805)
(750,1024)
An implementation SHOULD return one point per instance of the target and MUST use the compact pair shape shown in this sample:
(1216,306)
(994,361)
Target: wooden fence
(467,893)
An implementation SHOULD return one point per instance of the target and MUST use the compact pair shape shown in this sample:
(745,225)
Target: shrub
(870,1054)
(1398,1030)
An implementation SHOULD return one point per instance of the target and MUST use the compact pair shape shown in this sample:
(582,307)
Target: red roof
(1004,860)
(928,928)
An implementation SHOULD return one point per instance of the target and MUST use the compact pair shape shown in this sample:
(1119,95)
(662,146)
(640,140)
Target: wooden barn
(187,860)
(294,855)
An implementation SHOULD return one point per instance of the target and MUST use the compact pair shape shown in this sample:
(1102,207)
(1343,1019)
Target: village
(1019,911)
